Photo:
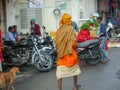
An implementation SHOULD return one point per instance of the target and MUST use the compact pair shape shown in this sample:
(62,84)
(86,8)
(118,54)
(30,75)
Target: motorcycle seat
(12,44)
(87,43)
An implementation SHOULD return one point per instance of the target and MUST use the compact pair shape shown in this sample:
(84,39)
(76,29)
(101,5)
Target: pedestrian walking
(66,42)
(74,24)
(103,37)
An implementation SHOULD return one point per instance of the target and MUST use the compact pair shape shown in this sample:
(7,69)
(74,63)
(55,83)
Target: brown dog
(7,79)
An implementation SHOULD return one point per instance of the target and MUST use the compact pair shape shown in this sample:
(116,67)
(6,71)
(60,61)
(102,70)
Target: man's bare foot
(75,88)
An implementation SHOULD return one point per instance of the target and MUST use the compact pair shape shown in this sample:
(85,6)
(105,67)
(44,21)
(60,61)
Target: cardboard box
(93,33)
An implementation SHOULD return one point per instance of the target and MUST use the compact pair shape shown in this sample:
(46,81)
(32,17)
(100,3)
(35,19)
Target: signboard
(63,6)
(35,3)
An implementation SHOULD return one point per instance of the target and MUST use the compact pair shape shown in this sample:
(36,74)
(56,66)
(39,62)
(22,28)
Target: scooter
(89,51)
(111,33)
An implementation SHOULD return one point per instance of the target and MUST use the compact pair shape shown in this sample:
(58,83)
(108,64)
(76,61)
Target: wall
(26,15)
(2,26)
(17,14)
(51,21)
(75,10)
(10,14)
(86,7)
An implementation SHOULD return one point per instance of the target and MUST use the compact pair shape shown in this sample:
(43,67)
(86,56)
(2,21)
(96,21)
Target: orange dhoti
(68,66)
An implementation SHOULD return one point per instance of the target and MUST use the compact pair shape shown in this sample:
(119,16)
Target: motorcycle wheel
(96,60)
(45,65)
(53,56)
(5,67)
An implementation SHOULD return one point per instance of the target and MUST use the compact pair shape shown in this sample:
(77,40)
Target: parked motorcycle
(90,52)
(20,53)
(48,45)
(15,54)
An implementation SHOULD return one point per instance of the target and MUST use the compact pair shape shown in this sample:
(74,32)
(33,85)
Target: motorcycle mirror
(43,27)
(46,33)
(32,33)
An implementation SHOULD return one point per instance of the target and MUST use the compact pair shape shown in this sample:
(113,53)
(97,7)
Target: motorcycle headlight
(35,39)
(39,37)
(52,38)
(42,40)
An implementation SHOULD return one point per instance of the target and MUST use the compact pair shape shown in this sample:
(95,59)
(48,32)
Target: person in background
(66,42)
(117,25)
(15,34)
(35,28)
(1,48)
(74,24)
(103,36)
(9,35)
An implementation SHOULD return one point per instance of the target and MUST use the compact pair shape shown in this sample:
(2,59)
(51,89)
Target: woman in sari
(66,42)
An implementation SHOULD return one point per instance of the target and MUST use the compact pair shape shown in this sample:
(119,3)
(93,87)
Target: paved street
(100,77)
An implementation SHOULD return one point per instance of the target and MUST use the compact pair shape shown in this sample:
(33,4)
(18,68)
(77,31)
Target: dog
(7,78)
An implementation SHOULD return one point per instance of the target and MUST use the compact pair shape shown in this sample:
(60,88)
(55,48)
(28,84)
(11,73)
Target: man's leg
(1,66)
(102,46)
(75,82)
(59,81)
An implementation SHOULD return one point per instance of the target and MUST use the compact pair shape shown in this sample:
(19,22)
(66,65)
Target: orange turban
(66,19)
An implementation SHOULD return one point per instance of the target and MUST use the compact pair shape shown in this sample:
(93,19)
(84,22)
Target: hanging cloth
(113,4)
(106,5)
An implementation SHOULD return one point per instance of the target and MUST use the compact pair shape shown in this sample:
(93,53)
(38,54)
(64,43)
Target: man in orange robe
(66,42)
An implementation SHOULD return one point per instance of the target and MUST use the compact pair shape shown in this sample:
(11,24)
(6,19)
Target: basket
(93,33)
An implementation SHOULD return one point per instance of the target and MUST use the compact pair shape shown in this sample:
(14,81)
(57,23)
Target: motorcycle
(90,52)
(20,53)
(111,32)
(15,54)
(47,44)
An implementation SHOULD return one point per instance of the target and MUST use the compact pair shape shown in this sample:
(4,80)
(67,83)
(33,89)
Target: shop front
(110,11)
(109,8)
